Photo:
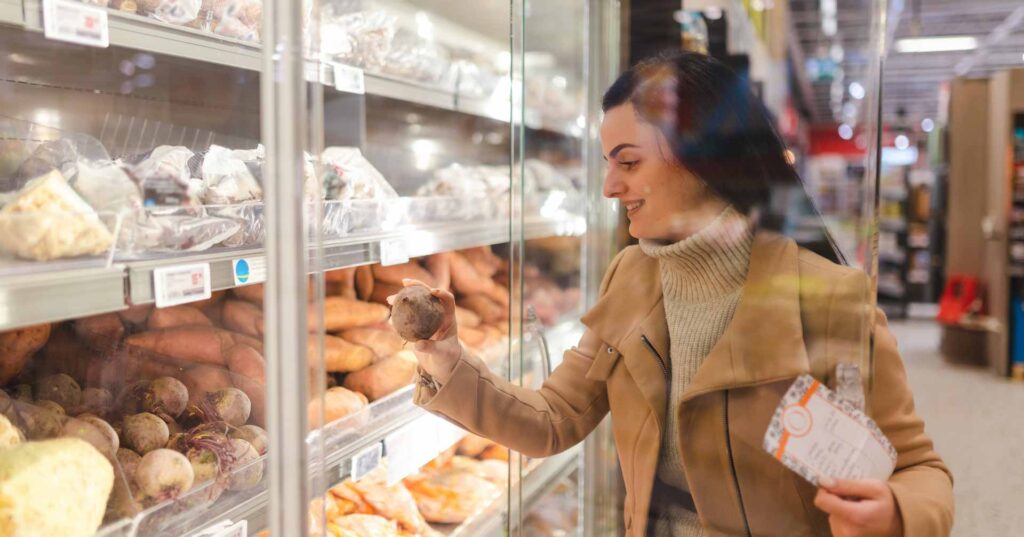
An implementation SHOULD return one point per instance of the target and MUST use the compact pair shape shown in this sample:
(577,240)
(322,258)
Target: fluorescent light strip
(936,44)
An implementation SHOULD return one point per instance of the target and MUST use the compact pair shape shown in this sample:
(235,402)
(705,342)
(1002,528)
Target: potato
(383,377)
(383,342)
(60,389)
(342,314)
(339,355)
(203,379)
(416,314)
(17,346)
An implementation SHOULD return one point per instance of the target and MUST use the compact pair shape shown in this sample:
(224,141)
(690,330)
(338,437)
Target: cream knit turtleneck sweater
(701,279)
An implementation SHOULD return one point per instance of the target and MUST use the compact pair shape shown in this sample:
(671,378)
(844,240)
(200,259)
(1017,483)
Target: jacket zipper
(732,465)
(661,361)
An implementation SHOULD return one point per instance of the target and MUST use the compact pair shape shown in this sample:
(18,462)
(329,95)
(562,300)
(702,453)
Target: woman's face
(662,200)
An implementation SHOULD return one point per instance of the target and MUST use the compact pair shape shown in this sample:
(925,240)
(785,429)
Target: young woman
(700,330)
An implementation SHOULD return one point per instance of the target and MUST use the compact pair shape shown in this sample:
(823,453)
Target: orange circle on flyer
(797,420)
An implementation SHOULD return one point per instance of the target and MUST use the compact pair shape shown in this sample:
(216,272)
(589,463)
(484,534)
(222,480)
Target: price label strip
(366,461)
(393,252)
(181,284)
(226,528)
(74,22)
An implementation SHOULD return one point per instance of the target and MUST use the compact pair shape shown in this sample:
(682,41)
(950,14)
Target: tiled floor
(977,422)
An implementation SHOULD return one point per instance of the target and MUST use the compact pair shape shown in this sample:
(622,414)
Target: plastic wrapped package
(60,155)
(49,220)
(178,230)
(170,11)
(417,58)
(471,79)
(249,217)
(462,183)
(348,175)
(165,178)
(227,176)
(360,38)
(238,19)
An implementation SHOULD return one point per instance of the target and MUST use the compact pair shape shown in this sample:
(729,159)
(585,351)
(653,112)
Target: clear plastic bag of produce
(170,11)
(249,216)
(349,176)
(176,229)
(359,38)
(415,55)
(238,19)
(228,175)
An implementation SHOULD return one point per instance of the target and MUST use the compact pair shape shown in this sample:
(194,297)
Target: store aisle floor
(975,419)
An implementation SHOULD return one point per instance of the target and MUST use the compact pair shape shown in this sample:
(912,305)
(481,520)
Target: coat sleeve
(537,423)
(921,483)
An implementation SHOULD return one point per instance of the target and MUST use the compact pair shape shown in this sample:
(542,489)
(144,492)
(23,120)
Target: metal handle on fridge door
(533,326)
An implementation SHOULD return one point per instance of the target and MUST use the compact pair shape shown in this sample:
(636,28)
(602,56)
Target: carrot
(18,346)
(340,355)
(381,342)
(100,332)
(343,313)
(245,361)
(184,315)
(364,282)
(394,274)
(243,317)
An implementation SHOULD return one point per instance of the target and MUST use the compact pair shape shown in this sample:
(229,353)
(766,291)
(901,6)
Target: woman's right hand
(439,354)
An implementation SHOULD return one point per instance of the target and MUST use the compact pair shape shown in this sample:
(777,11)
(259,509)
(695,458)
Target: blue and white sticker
(249,270)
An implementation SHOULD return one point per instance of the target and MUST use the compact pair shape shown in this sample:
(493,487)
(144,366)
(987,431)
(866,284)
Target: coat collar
(763,342)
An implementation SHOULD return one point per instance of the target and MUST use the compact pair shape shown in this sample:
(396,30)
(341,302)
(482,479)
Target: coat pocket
(604,363)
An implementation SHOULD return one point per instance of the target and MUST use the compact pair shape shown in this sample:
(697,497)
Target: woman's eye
(629,165)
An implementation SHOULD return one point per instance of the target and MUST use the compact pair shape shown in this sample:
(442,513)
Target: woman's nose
(613,187)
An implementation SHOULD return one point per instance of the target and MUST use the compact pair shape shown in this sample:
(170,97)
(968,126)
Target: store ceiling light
(845,131)
(902,142)
(713,13)
(927,125)
(948,43)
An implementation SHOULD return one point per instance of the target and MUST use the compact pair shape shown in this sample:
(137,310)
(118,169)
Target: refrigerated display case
(197,194)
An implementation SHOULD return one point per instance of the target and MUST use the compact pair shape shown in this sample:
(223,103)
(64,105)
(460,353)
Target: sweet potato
(136,315)
(483,260)
(184,315)
(394,274)
(17,346)
(382,290)
(484,307)
(216,297)
(464,317)
(341,283)
(198,344)
(364,282)
(465,277)
(498,294)
(472,337)
(342,314)
(382,342)
(251,293)
(204,379)
(102,333)
(383,377)
(245,361)
(253,342)
(338,402)
(440,267)
(340,355)
(243,317)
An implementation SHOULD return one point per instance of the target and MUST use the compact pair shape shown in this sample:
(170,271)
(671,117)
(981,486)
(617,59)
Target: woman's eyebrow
(618,148)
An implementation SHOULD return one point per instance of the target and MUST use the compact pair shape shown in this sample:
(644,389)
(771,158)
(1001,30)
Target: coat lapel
(764,342)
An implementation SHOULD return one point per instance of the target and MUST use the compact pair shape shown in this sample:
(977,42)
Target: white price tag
(226,528)
(67,20)
(249,270)
(366,461)
(393,252)
(181,284)
(349,79)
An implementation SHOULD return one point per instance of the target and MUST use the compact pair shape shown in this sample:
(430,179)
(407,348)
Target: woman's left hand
(859,508)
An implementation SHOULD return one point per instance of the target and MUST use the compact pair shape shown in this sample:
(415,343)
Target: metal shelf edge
(46,297)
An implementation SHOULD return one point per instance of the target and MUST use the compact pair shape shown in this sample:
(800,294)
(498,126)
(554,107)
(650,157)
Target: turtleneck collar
(707,265)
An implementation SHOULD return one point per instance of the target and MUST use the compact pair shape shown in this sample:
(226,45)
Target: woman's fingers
(857,488)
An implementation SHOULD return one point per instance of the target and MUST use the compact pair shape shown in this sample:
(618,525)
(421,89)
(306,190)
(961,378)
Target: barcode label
(181,284)
(393,252)
(366,461)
